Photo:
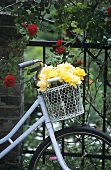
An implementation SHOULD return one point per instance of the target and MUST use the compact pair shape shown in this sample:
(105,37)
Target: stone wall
(11,104)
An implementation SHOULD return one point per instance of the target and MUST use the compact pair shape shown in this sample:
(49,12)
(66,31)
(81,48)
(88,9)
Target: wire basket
(63,102)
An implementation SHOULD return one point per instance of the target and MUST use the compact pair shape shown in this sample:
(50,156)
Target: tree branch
(47,20)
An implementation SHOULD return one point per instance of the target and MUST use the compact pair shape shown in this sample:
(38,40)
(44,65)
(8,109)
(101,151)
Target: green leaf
(38,1)
(11,55)
(28,11)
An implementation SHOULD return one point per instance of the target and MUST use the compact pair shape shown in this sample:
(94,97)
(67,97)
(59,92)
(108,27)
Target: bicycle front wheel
(83,148)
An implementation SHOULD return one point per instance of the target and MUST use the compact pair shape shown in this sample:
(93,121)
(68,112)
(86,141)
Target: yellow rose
(42,89)
(42,76)
(43,84)
(75,81)
(60,70)
(50,72)
(66,76)
(66,66)
(79,72)
(46,69)
(65,71)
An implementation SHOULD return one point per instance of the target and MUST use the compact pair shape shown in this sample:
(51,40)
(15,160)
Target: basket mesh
(63,102)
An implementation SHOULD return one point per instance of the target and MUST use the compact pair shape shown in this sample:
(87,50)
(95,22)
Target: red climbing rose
(9,81)
(109,11)
(59,43)
(32,29)
(60,50)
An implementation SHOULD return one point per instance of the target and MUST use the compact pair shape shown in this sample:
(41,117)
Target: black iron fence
(96,91)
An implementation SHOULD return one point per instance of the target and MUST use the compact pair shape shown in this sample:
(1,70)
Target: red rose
(32,29)
(9,81)
(109,11)
(59,43)
(60,50)
(79,62)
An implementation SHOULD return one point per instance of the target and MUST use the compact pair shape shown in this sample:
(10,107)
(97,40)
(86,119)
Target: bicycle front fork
(56,147)
(52,136)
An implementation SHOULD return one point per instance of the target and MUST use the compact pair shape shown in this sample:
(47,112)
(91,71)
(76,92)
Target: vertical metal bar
(105,90)
(84,89)
(44,50)
(83,116)
(104,106)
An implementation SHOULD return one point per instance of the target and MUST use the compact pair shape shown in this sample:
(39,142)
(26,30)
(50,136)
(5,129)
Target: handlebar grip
(26,64)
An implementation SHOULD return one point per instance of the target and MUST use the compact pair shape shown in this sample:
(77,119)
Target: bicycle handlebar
(53,79)
(31,70)
(28,63)
(32,62)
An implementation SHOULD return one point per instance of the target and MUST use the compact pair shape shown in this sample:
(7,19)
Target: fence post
(11,105)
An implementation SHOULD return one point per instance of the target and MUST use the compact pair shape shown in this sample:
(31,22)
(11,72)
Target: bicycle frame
(45,118)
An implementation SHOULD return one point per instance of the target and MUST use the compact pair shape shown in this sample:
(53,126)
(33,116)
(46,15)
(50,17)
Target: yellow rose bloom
(66,66)
(79,72)
(42,76)
(50,72)
(60,70)
(45,69)
(75,81)
(66,76)
(65,71)
(43,84)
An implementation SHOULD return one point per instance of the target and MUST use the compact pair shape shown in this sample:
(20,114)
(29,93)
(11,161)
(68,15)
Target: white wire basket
(63,102)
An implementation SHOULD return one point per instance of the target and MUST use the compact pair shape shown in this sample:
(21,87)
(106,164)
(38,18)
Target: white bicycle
(59,103)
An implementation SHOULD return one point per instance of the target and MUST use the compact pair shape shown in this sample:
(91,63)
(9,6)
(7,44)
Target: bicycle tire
(90,133)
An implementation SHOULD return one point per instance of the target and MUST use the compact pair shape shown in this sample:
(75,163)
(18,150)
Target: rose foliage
(86,20)
(77,20)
